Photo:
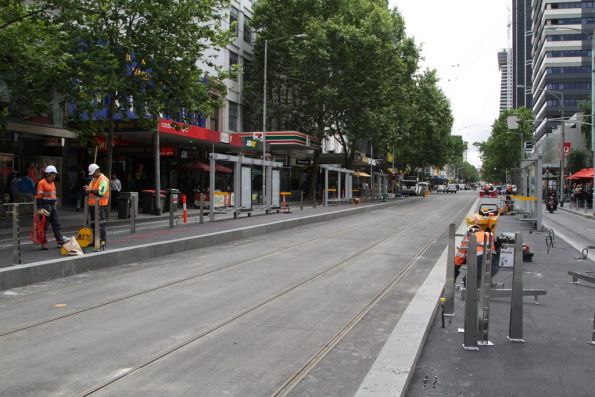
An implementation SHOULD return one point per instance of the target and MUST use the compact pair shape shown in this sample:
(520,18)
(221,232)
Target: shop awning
(197,165)
(201,166)
(223,169)
(585,173)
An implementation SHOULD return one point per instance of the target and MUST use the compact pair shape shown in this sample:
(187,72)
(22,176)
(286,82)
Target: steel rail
(294,379)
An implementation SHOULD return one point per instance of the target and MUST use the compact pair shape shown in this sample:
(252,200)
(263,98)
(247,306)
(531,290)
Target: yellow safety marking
(524,198)
(285,193)
(60,305)
(84,237)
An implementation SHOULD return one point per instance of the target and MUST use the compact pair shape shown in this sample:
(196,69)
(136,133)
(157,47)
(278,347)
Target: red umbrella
(197,165)
(585,173)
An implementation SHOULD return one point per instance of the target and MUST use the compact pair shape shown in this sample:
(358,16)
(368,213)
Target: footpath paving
(158,240)
(555,360)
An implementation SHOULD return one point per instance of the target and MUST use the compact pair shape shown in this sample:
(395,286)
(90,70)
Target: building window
(233,116)
(214,120)
(233,59)
(233,19)
(247,30)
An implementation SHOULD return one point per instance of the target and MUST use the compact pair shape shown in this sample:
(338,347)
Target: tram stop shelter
(340,187)
(530,192)
(380,185)
(240,199)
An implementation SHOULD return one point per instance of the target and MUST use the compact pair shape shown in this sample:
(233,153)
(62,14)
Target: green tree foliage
(146,57)
(32,60)
(576,161)
(426,139)
(585,107)
(501,152)
(467,172)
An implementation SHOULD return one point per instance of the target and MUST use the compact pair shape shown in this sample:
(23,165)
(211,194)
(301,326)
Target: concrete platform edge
(21,275)
(393,369)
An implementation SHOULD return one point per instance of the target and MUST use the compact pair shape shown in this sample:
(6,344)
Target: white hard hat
(50,169)
(93,168)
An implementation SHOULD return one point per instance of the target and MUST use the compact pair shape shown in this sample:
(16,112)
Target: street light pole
(264,122)
(264,113)
(593,114)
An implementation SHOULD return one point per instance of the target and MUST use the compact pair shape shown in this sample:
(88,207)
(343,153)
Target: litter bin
(148,201)
(168,194)
(124,203)
(123,207)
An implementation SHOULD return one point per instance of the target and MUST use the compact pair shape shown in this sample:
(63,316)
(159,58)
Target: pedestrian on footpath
(99,192)
(46,204)
(115,188)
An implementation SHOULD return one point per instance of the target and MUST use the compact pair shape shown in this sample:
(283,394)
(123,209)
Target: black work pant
(102,223)
(52,220)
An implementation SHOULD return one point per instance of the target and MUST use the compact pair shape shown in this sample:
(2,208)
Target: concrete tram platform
(160,241)
(556,358)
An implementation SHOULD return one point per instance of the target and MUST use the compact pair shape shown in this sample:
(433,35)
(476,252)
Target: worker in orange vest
(481,237)
(45,197)
(98,190)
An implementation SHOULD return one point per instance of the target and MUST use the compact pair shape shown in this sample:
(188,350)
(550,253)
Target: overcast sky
(461,39)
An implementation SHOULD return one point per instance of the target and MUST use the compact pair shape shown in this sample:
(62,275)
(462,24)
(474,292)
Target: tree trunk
(314,177)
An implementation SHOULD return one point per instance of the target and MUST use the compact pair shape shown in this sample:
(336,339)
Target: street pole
(562,153)
(264,122)
(593,113)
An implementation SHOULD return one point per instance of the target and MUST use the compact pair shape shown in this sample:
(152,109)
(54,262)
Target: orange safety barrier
(184,209)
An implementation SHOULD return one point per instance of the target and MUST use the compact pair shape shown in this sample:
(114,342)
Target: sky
(461,40)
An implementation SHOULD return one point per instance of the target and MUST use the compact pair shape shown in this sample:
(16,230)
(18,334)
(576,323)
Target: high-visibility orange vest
(461,255)
(94,185)
(46,191)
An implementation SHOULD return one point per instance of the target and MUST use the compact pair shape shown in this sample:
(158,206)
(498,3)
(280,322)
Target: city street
(249,318)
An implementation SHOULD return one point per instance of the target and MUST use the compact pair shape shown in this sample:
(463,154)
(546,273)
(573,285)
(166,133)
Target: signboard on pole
(567,147)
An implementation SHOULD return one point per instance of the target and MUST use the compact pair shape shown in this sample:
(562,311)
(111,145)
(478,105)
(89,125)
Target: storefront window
(6,170)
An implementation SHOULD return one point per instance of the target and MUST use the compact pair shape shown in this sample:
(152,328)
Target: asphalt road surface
(304,311)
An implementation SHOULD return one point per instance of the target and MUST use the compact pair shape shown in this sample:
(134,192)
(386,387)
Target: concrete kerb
(392,371)
(21,275)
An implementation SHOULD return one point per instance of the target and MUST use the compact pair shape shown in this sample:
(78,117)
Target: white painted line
(392,371)
(573,243)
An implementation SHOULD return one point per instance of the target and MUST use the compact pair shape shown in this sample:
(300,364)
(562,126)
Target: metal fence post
(484,297)
(515,331)
(173,205)
(133,209)
(470,336)
(86,211)
(16,239)
(301,200)
(96,232)
(201,213)
(593,336)
(449,289)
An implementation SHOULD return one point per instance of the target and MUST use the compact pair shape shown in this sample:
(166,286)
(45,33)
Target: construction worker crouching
(98,190)
(481,237)
(45,197)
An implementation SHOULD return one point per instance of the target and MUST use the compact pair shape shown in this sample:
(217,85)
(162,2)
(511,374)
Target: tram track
(298,375)
(182,280)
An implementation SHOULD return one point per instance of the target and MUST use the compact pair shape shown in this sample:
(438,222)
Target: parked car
(451,188)
(441,188)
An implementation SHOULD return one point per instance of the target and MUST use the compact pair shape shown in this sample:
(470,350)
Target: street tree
(577,160)
(32,61)
(501,152)
(342,79)
(141,59)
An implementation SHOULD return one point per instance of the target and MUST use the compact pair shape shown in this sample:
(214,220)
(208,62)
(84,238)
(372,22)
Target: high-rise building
(505,65)
(521,54)
(561,60)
